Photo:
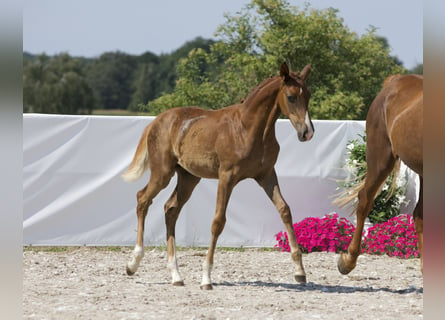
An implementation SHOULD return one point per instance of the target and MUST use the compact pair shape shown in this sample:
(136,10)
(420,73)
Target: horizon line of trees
(348,70)
(115,80)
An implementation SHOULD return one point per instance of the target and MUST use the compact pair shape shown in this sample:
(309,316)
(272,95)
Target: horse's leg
(158,181)
(380,162)
(418,222)
(225,187)
(270,185)
(184,188)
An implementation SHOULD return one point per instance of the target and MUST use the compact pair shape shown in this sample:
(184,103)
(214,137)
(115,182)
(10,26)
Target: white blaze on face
(310,128)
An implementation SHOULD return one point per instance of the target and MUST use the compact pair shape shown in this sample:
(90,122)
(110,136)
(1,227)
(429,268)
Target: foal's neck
(260,109)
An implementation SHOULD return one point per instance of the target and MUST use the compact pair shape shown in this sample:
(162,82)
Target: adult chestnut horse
(230,144)
(394,132)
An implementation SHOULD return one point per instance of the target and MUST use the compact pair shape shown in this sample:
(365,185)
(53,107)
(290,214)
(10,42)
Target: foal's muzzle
(305,129)
(306,134)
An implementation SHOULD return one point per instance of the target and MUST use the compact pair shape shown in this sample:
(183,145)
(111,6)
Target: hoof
(129,272)
(178,283)
(342,268)
(206,287)
(300,278)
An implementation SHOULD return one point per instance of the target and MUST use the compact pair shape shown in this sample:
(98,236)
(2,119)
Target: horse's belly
(201,165)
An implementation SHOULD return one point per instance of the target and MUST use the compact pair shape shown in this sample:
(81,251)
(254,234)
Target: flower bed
(395,237)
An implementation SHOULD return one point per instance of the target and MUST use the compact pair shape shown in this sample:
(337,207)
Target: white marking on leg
(206,270)
(138,254)
(172,266)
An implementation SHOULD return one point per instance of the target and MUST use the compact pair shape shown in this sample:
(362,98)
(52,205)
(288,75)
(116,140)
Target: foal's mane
(255,91)
(390,79)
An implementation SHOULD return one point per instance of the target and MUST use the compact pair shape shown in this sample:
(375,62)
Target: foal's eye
(292,99)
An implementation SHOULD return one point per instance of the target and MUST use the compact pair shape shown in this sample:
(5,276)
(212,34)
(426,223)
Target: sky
(89,28)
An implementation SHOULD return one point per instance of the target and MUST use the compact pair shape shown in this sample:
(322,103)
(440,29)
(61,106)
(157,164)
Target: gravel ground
(91,283)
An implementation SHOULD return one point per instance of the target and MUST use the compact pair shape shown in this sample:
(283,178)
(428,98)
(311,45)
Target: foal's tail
(348,196)
(140,162)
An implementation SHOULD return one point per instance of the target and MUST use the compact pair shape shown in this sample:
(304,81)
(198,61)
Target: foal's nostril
(305,134)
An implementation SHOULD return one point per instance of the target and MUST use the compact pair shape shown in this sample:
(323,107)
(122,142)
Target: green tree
(111,78)
(418,69)
(145,85)
(348,70)
(55,85)
(157,75)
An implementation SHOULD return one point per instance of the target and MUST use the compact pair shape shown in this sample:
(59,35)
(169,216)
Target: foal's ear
(284,71)
(304,74)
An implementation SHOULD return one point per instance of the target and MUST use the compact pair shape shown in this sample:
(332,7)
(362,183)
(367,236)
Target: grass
(118,112)
(57,249)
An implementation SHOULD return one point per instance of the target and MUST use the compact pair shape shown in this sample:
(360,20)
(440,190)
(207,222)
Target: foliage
(157,77)
(56,85)
(387,204)
(396,237)
(329,233)
(348,70)
(111,77)
(418,69)
(114,80)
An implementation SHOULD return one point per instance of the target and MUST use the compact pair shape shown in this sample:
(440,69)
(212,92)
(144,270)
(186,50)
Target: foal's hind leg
(158,181)
(184,188)
(418,222)
(225,187)
(380,162)
(270,185)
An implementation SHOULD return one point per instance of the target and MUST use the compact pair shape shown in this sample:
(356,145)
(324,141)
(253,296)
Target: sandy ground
(91,283)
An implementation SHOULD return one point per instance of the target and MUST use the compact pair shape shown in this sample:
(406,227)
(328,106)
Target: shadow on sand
(319,287)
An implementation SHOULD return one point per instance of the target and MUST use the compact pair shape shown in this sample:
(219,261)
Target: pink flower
(396,237)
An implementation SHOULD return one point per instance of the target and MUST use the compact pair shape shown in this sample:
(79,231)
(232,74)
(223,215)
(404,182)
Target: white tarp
(73,193)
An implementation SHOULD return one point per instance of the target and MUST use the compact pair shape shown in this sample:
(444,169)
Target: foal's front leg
(270,185)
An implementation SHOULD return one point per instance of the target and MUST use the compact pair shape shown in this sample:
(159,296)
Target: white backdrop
(73,193)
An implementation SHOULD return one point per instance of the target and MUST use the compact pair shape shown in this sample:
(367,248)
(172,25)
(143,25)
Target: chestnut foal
(230,144)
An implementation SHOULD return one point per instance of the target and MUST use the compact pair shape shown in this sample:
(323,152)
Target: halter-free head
(293,100)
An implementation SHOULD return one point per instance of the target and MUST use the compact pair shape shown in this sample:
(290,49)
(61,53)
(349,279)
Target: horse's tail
(140,162)
(349,195)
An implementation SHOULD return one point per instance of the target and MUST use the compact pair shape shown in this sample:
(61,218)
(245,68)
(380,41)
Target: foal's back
(198,139)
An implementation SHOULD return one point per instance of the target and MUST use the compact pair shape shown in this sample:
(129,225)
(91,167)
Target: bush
(387,204)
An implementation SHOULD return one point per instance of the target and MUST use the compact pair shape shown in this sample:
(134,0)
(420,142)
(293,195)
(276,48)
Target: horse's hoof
(129,272)
(300,278)
(206,287)
(178,283)
(341,265)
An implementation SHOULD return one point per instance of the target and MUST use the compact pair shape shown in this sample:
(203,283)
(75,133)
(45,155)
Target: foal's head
(293,100)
